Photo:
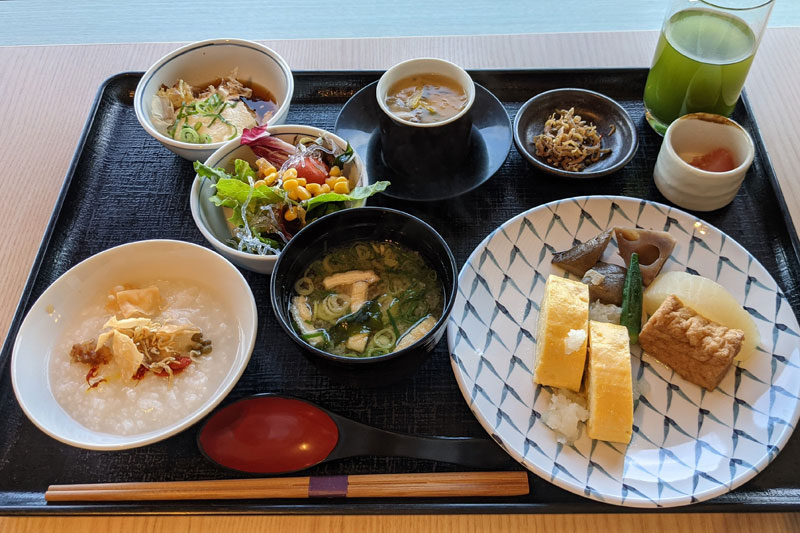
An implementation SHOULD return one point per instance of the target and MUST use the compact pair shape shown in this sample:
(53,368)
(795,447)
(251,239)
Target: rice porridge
(128,407)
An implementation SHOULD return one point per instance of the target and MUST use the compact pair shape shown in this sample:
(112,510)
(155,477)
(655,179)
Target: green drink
(701,61)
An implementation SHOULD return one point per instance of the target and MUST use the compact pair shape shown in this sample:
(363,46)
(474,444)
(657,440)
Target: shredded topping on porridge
(136,344)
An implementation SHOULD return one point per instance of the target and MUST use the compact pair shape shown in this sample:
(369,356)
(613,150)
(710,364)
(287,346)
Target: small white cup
(694,135)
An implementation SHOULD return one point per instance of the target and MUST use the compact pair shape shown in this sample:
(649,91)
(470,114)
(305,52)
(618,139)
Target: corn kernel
(301,181)
(269,179)
(290,214)
(293,194)
(302,193)
(324,188)
(290,173)
(313,188)
(265,168)
(342,187)
(290,184)
(335,171)
(330,181)
(259,183)
(341,179)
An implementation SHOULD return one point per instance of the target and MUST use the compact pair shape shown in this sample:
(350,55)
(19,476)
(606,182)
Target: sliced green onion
(189,135)
(304,286)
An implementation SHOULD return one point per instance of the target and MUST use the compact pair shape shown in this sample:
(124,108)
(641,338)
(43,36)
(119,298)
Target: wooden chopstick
(362,486)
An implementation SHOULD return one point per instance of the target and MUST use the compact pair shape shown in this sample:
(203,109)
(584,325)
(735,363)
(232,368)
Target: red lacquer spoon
(272,434)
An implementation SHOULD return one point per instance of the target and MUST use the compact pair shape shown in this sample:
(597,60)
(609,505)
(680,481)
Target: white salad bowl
(48,320)
(203,62)
(211,219)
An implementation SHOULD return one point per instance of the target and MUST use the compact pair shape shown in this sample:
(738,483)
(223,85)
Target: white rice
(130,408)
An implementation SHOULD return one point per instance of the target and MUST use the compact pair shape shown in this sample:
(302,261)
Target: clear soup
(426,98)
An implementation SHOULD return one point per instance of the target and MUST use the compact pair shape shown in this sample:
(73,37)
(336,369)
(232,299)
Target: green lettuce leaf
(233,193)
(359,193)
(231,189)
(214,174)
(243,171)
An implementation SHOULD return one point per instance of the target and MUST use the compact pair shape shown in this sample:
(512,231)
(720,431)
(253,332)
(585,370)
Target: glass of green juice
(702,57)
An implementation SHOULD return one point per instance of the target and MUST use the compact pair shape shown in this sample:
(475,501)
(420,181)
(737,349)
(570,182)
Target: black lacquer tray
(123,186)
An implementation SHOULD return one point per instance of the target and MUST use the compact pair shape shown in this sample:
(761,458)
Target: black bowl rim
(450,292)
(585,174)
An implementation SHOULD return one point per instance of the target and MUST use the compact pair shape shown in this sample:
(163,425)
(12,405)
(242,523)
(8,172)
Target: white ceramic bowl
(694,135)
(205,61)
(211,220)
(424,65)
(79,287)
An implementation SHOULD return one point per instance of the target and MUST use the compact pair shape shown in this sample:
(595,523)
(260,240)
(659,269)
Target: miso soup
(426,98)
(366,299)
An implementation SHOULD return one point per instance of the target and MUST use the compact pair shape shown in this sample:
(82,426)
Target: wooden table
(45,96)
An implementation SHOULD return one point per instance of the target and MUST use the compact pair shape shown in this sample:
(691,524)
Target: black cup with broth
(426,119)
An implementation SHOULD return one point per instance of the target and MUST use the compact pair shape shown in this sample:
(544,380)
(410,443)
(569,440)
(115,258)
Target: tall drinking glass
(702,58)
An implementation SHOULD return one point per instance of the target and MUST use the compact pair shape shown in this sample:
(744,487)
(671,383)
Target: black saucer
(491,141)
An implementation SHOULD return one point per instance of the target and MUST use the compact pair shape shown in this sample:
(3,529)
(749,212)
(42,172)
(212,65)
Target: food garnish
(698,349)
(134,347)
(653,248)
(291,185)
(568,142)
(631,316)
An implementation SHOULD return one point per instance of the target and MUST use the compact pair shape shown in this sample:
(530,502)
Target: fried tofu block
(562,333)
(698,349)
(609,389)
(139,302)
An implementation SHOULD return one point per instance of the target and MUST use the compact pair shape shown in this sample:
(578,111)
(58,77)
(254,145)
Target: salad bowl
(213,221)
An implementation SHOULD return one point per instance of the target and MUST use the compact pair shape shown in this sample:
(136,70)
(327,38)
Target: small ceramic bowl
(594,108)
(414,148)
(695,135)
(211,220)
(353,225)
(203,62)
(81,287)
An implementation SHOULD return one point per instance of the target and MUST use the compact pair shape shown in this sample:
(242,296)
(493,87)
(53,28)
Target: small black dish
(593,107)
(364,224)
(359,120)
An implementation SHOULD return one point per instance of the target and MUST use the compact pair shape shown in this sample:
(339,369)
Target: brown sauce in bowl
(426,98)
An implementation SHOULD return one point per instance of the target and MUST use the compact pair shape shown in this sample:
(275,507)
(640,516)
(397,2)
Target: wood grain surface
(45,97)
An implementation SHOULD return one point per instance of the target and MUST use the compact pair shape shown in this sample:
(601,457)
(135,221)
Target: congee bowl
(425,148)
(212,221)
(203,62)
(62,310)
(349,227)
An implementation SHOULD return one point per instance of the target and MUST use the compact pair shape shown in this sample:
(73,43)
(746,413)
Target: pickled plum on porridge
(145,357)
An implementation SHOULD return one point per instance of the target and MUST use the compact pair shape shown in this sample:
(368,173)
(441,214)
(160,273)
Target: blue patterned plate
(688,445)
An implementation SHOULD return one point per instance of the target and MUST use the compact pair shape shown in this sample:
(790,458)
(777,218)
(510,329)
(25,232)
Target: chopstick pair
(450,484)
